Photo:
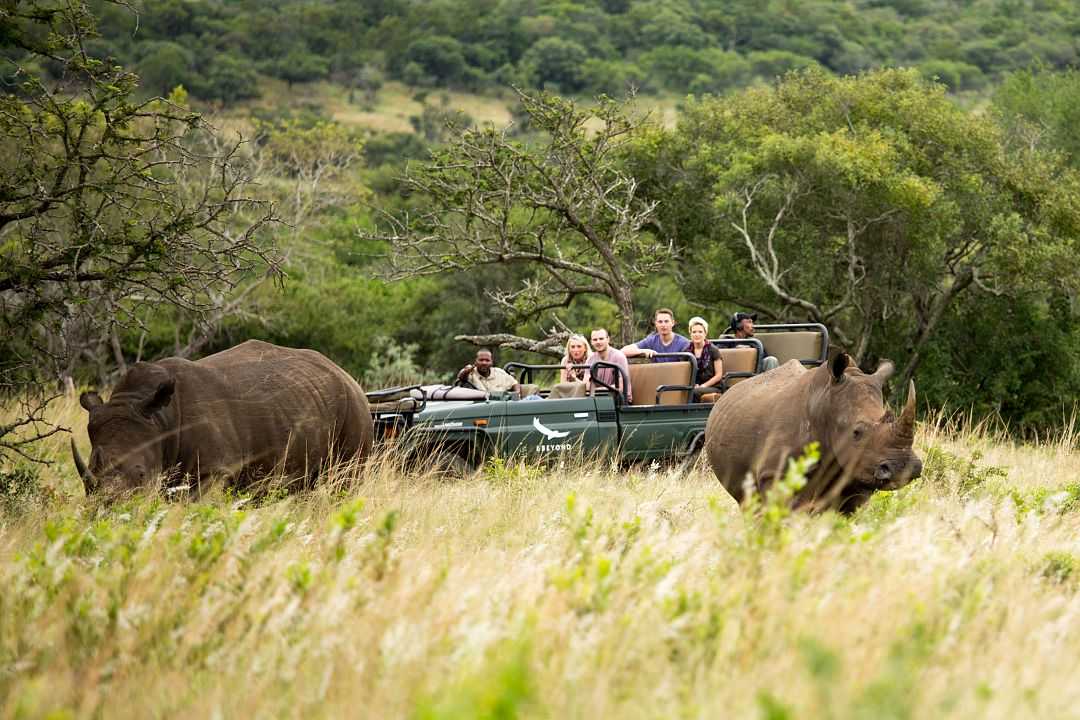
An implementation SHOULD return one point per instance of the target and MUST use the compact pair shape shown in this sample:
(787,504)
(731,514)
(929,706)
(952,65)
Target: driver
(482,374)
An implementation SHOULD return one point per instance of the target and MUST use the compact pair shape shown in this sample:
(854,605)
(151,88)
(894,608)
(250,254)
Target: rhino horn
(84,472)
(906,425)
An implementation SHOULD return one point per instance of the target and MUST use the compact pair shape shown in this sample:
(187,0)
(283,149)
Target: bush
(228,79)
(21,488)
(554,61)
(953,75)
(440,58)
(164,66)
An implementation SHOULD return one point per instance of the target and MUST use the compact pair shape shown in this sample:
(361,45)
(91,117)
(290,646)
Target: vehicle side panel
(655,432)
(580,427)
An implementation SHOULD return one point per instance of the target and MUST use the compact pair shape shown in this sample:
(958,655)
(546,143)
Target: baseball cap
(739,317)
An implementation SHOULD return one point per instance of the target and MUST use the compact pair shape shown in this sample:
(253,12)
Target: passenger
(710,368)
(577,352)
(602,351)
(483,375)
(742,327)
(664,340)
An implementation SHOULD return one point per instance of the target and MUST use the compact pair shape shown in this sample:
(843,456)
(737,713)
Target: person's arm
(632,350)
(462,378)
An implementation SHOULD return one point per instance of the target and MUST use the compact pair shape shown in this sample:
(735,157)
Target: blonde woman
(710,368)
(577,353)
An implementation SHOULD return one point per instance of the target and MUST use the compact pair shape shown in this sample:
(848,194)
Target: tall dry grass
(574,591)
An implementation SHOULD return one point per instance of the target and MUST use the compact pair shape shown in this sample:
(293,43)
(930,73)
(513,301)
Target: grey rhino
(757,425)
(251,410)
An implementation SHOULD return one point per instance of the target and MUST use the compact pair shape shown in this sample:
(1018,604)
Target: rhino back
(258,407)
(754,426)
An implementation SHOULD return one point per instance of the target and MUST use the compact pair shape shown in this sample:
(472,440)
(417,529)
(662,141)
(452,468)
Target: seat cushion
(646,377)
(567,390)
(798,345)
(739,359)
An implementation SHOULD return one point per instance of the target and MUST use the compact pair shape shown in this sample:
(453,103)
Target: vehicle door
(657,432)
(581,428)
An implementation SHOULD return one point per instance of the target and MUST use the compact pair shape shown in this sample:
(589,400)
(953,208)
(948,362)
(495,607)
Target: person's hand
(465,372)
(649,353)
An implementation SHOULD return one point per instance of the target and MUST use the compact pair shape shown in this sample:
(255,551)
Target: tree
(107,207)
(561,208)
(164,66)
(313,163)
(558,61)
(867,203)
(1040,109)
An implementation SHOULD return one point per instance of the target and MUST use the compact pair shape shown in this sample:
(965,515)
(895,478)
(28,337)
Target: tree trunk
(625,302)
(926,329)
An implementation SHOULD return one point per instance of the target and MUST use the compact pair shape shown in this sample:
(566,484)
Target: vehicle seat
(646,377)
(738,360)
(803,345)
(528,389)
(568,390)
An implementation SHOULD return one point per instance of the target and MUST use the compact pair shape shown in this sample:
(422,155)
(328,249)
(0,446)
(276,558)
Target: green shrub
(1059,567)
(21,488)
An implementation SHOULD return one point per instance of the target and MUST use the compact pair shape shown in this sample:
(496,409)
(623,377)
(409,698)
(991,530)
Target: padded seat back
(646,377)
(739,359)
(797,345)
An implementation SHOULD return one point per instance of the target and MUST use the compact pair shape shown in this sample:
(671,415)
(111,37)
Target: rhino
(757,425)
(245,412)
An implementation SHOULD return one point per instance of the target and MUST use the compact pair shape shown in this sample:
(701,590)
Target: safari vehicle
(458,428)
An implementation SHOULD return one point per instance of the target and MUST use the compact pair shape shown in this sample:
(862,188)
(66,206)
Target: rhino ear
(90,400)
(838,366)
(161,397)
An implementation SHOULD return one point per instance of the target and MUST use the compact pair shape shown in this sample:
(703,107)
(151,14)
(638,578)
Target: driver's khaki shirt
(498,381)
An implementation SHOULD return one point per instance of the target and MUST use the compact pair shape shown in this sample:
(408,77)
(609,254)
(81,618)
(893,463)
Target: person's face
(599,340)
(746,326)
(577,350)
(663,323)
(697,334)
(483,362)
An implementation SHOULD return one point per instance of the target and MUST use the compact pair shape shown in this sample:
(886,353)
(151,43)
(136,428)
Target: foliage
(108,207)
(591,46)
(393,365)
(1040,109)
(583,591)
(22,491)
(560,207)
(871,204)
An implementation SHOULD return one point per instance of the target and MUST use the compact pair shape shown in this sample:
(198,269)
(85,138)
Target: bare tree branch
(562,206)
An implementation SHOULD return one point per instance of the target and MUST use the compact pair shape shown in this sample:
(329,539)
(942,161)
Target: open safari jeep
(458,428)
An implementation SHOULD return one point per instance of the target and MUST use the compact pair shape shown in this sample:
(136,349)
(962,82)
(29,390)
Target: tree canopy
(107,205)
(587,46)
(867,203)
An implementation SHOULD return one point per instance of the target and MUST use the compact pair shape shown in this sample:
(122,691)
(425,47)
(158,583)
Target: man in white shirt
(482,374)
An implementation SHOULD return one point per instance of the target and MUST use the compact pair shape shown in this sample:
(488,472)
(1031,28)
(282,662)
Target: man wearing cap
(742,327)
(664,340)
